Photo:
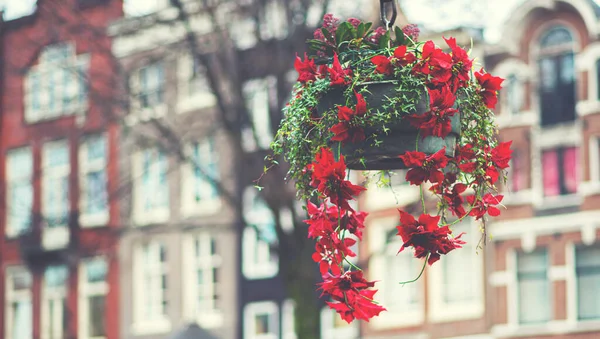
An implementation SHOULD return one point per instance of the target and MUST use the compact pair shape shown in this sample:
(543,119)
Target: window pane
(22,320)
(262,323)
(96,314)
(550,173)
(533,287)
(460,279)
(56,276)
(555,37)
(517,180)
(588,282)
(571,169)
(96,270)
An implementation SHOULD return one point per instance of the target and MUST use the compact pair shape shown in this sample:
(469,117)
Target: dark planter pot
(401,137)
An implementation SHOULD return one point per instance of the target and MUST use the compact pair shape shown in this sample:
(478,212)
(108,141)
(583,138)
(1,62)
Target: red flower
(337,75)
(426,237)
(501,154)
(307,70)
(330,252)
(354,222)
(351,295)
(436,121)
(423,167)
(385,65)
(490,85)
(485,205)
(461,67)
(454,199)
(328,179)
(434,63)
(347,128)
(322,220)
(377,34)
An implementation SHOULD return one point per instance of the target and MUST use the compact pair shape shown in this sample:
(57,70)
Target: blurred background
(132,134)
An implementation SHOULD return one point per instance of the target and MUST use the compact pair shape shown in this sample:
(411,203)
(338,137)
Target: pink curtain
(550,173)
(571,169)
(517,180)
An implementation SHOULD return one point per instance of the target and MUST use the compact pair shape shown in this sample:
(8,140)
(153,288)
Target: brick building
(539,276)
(58,265)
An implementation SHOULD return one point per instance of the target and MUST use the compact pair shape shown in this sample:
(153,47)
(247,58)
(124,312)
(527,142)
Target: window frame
(330,331)
(208,262)
(187,101)
(20,176)
(159,323)
(85,167)
(51,295)
(87,290)
(378,231)
(576,277)
(516,287)
(157,214)
(56,236)
(288,319)
(439,309)
(16,296)
(252,310)
(259,113)
(156,110)
(189,205)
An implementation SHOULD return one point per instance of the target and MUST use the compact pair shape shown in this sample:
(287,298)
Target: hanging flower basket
(379,100)
(400,137)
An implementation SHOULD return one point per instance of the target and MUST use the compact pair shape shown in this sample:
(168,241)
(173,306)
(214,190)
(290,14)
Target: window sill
(523,197)
(198,101)
(550,328)
(560,201)
(55,238)
(587,107)
(210,320)
(588,188)
(202,208)
(444,313)
(93,220)
(80,111)
(391,320)
(383,198)
(527,118)
(146,114)
(157,216)
(266,270)
(157,326)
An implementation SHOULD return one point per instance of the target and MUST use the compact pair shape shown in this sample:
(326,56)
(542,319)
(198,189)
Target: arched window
(513,94)
(556,76)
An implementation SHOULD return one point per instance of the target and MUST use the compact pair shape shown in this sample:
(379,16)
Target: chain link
(383,11)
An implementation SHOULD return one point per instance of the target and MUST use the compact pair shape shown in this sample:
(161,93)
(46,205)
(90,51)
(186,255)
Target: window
(517,178)
(151,85)
(133,8)
(273,23)
(513,94)
(560,171)
(55,312)
(19,191)
(92,169)
(594,158)
(204,291)
(55,189)
(152,188)
(587,260)
(288,326)
(403,302)
(260,95)
(598,79)
(533,287)
(92,298)
(261,321)
(243,32)
(151,288)
(194,88)
(199,192)
(259,259)
(57,84)
(18,312)
(334,327)
(557,76)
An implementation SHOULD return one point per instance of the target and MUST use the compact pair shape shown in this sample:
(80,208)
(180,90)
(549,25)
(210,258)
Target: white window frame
(267,264)
(592,187)
(585,61)
(257,92)
(330,331)
(141,216)
(17,175)
(87,290)
(189,205)
(158,110)
(515,289)
(85,166)
(525,74)
(58,235)
(522,197)
(252,310)
(288,319)
(160,323)
(211,317)
(55,295)
(73,66)
(383,197)
(16,296)
(188,101)
(439,309)
(377,242)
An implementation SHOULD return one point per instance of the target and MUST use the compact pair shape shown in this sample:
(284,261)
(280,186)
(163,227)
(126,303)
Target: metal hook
(383,12)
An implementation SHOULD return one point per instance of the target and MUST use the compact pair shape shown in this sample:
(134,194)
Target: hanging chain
(383,11)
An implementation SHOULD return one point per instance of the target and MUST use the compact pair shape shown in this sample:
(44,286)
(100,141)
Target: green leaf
(384,40)
(328,35)
(343,31)
(400,38)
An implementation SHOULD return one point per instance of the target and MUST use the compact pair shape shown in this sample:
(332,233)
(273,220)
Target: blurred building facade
(539,275)
(59,272)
